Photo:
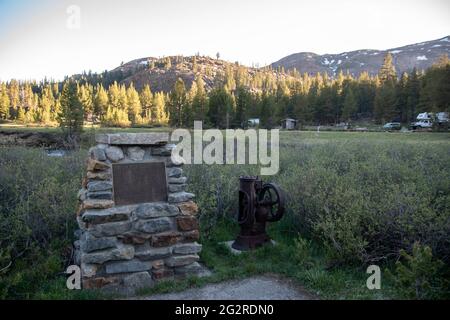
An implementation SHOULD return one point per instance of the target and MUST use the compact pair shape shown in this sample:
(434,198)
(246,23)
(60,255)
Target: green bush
(303,252)
(420,276)
(37,207)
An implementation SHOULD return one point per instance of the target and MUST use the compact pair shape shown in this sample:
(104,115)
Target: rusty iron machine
(258,203)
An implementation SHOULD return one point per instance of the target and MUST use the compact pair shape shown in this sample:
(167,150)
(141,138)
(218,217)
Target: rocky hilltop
(162,73)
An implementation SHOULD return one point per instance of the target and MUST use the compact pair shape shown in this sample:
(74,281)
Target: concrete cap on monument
(144,138)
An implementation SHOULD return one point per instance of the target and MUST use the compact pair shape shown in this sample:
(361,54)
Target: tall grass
(37,207)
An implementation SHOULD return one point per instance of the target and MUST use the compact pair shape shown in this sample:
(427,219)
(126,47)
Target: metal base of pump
(245,243)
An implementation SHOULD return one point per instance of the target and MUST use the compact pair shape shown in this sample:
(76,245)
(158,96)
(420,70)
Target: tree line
(317,99)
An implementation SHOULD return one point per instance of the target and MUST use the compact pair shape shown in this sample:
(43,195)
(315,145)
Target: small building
(289,124)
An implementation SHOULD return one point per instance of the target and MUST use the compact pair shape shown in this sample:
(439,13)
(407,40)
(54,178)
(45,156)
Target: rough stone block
(127,266)
(188,208)
(99,282)
(162,273)
(174,172)
(147,138)
(82,225)
(153,225)
(114,154)
(82,194)
(135,153)
(106,215)
(97,204)
(165,239)
(155,210)
(132,239)
(180,197)
(98,175)
(123,252)
(177,187)
(176,261)
(96,186)
(190,236)
(94,165)
(88,270)
(153,253)
(97,153)
(89,243)
(103,195)
(109,229)
(165,150)
(187,248)
(157,264)
(187,223)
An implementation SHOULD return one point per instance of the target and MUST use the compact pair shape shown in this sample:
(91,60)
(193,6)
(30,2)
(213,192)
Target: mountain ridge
(162,73)
(420,55)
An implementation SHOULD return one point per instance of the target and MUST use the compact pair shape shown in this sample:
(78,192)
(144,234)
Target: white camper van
(425,120)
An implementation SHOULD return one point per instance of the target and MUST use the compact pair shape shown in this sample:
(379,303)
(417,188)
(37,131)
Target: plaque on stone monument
(139,182)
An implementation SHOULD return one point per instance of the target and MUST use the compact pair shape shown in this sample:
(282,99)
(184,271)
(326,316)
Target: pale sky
(36,42)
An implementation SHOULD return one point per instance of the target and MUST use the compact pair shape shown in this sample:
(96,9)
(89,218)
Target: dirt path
(254,288)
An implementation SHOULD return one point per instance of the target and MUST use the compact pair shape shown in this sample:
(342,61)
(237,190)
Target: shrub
(420,276)
(303,252)
(37,206)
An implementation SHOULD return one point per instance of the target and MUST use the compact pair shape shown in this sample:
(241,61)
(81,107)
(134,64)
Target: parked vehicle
(392,126)
(422,124)
(424,121)
(442,120)
(428,120)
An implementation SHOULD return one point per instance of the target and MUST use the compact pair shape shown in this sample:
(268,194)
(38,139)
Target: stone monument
(137,223)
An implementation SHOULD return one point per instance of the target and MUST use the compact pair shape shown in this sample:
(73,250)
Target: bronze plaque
(139,182)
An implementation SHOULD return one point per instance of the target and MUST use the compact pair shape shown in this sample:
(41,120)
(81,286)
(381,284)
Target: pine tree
(14,98)
(134,105)
(4,102)
(178,100)
(123,100)
(402,97)
(46,104)
(435,89)
(267,112)
(200,101)
(387,71)
(159,106)
(220,108)
(412,92)
(146,98)
(113,95)
(384,103)
(85,95)
(71,115)
(100,102)
(350,106)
